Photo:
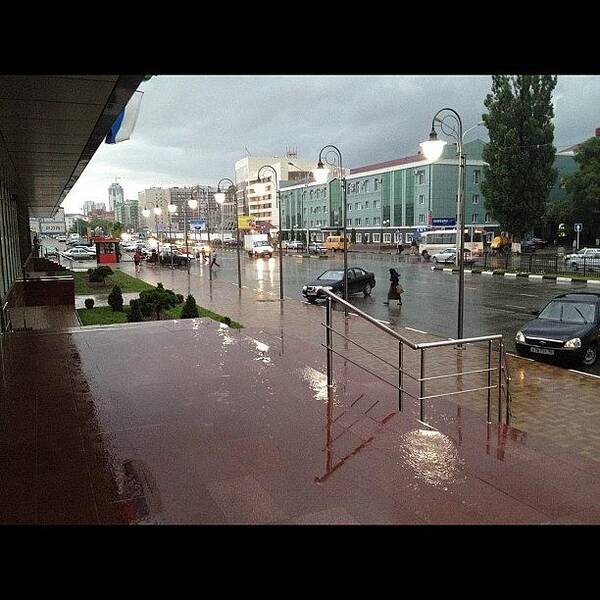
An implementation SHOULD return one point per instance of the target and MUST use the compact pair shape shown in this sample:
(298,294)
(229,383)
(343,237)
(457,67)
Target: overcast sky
(192,129)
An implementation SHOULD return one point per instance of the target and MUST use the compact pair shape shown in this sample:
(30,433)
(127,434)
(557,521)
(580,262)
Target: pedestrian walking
(213,259)
(137,259)
(400,247)
(396,290)
(413,247)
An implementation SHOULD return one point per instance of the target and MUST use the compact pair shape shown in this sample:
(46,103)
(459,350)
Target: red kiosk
(107,249)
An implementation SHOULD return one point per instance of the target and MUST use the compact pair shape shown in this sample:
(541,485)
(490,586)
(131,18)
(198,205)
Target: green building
(391,201)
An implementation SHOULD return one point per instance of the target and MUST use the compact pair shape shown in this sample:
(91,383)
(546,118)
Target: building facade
(126,213)
(90,205)
(391,201)
(70,219)
(55,225)
(264,206)
(115,196)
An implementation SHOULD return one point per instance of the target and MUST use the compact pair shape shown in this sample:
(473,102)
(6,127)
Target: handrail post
(489,392)
(422,385)
(500,352)
(400,367)
(329,340)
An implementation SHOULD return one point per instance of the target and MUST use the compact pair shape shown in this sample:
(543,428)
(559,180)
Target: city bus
(438,240)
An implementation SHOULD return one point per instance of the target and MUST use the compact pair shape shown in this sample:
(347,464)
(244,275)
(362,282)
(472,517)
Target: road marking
(417,330)
(528,295)
(515,306)
(584,373)
(519,356)
(382,321)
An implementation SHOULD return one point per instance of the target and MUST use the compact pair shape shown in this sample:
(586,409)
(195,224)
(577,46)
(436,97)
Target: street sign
(578,227)
(443,221)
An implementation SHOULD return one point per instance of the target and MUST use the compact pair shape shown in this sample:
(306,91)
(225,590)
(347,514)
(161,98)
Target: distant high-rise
(115,195)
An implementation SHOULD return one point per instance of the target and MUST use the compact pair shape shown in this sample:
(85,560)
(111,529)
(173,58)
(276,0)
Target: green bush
(226,320)
(179,298)
(99,274)
(190,309)
(115,299)
(89,303)
(135,312)
(152,302)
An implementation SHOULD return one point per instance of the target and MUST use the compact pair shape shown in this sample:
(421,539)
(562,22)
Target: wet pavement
(492,304)
(222,426)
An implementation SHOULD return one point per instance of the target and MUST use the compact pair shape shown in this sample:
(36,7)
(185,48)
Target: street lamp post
(157,212)
(278,200)
(320,174)
(205,198)
(433,149)
(220,198)
(172,209)
(303,196)
(193,204)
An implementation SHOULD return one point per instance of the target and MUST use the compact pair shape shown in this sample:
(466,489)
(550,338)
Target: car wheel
(591,355)
(312,300)
(425,254)
(367,290)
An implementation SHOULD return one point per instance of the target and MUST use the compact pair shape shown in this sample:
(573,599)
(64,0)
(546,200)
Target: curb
(534,276)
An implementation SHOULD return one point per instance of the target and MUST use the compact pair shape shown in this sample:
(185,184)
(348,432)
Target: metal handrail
(502,369)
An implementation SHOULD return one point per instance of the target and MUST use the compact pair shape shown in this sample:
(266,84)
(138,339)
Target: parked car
(359,281)
(568,329)
(449,256)
(61,238)
(317,248)
(51,251)
(588,257)
(80,253)
(293,245)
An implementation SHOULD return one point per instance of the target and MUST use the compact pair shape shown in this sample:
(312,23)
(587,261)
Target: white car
(80,253)
(449,256)
(295,245)
(586,257)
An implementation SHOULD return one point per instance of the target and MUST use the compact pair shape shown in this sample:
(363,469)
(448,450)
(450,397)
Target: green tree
(116,230)
(99,273)
(190,308)
(520,154)
(353,236)
(115,299)
(584,189)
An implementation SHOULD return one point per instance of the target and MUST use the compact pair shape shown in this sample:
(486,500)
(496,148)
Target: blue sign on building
(197,224)
(444,221)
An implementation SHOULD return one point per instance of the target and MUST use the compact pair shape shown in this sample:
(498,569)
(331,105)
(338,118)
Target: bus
(438,240)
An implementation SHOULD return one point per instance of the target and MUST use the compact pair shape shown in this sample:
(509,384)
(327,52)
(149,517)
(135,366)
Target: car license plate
(547,351)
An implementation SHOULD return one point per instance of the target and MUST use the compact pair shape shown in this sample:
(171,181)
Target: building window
(357,206)
(476,176)
(366,220)
(376,237)
(366,204)
(387,238)
(357,221)
(375,220)
(475,198)
(375,203)
(349,206)
(474,218)
(375,184)
(421,199)
(488,218)
(420,177)
(349,221)
(421,219)
(359,238)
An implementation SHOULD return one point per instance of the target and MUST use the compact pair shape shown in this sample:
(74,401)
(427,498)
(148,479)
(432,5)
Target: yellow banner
(246,221)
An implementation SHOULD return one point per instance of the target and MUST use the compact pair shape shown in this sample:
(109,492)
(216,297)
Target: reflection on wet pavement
(217,426)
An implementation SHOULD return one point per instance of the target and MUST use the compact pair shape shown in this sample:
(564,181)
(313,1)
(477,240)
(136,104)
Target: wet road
(493,304)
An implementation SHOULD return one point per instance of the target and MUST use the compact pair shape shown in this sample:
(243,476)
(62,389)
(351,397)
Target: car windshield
(569,312)
(334,274)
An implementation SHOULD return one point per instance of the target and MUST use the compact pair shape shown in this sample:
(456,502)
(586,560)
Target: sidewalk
(548,401)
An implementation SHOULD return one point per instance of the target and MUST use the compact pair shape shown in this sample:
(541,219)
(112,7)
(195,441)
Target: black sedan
(568,328)
(359,281)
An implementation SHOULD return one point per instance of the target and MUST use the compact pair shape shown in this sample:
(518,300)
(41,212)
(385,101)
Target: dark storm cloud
(192,128)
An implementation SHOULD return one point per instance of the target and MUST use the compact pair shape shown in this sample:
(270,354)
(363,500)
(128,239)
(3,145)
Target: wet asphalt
(493,304)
